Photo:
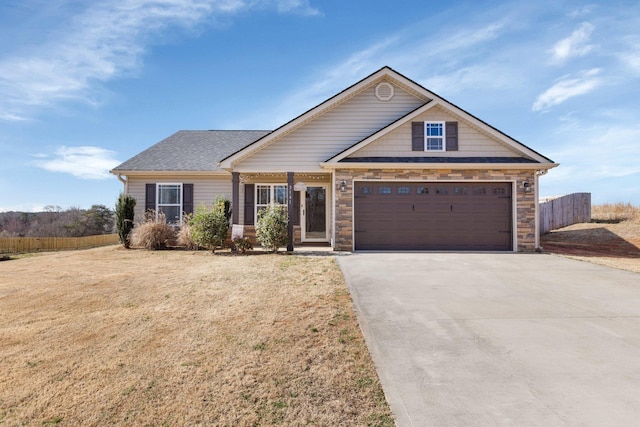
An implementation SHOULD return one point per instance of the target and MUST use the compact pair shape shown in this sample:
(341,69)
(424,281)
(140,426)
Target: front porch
(307,196)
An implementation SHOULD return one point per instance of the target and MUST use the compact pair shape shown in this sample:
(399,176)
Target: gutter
(436,166)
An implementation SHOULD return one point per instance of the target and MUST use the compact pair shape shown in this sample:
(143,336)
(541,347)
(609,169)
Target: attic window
(434,136)
(384,91)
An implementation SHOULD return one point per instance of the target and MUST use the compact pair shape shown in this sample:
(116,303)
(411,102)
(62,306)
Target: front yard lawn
(131,337)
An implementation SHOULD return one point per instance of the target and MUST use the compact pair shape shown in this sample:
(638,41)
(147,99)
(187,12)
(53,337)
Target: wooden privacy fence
(564,210)
(14,245)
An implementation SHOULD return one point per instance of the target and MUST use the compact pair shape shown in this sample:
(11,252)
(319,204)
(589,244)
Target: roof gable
(385,73)
(511,147)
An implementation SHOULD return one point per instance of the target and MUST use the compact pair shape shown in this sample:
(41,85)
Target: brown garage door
(432,216)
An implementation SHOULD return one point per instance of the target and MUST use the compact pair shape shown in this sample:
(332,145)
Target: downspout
(537,175)
(124,181)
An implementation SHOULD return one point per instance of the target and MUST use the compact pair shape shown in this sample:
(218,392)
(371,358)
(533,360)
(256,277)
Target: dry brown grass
(611,239)
(615,212)
(132,337)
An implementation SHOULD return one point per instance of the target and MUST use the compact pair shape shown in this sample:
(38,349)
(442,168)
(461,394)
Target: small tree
(271,228)
(124,218)
(209,227)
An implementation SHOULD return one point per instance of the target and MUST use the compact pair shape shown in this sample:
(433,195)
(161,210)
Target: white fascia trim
(437,166)
(172,173)
(517,146)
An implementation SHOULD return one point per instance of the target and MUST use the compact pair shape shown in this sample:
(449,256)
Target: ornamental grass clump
(185,234)
(271,227)
(154,233)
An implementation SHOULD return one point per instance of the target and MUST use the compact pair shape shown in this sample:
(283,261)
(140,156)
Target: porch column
(290,210)
(235,197)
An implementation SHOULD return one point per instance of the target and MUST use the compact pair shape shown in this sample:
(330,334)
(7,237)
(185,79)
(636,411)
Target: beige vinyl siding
(205,190)
(310,180)
(472,142)
(330,133)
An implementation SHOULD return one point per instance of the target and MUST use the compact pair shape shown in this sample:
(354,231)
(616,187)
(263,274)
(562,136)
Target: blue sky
(85,85)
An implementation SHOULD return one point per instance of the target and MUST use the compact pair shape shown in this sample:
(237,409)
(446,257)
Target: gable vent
(384,91)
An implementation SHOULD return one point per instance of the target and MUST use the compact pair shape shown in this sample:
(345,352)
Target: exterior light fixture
(526,186)
(343,186)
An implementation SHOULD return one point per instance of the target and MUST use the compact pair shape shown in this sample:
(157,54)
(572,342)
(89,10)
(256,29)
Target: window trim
(179,204)
(272,186)
(443,137)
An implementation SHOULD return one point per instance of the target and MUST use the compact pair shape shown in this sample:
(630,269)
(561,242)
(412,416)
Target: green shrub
(243,244)
(209,227)
(271,227)
(124,218)
(154,233)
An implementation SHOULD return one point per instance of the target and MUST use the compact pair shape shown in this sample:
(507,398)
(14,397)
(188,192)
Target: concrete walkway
(500,339)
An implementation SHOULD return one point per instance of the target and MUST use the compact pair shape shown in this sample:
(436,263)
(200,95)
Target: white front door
(314,214)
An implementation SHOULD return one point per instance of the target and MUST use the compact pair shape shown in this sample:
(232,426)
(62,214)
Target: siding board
(330,133)
(205,190)
(471,141)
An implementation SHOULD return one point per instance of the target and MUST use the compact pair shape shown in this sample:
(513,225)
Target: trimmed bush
(209,227)
(154,233)
(124,218)
(271,228)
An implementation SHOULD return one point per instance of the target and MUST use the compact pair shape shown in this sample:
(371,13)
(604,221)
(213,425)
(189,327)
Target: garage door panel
(433,216)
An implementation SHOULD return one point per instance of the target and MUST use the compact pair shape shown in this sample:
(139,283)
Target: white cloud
(406,51)
(297,6)
(84,162)
(599,151)
(576,45)
(581,11)
(103,42)
(631,56)
(568,87)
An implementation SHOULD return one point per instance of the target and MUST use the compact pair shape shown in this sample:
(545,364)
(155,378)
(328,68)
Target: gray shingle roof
(191,150)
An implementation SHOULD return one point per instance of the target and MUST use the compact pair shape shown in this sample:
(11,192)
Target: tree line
(56,222)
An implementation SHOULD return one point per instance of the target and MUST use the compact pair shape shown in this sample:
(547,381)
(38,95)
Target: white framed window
(270,195)
(434,136)
(169,201)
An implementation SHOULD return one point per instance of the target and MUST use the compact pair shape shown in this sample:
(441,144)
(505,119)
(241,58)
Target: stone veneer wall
(524,223)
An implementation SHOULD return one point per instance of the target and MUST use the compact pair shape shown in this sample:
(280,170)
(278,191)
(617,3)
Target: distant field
(109,336)
(615,212)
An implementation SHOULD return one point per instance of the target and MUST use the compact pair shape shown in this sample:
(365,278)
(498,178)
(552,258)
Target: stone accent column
(344,212)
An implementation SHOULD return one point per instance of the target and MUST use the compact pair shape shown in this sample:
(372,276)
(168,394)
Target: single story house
(385,164)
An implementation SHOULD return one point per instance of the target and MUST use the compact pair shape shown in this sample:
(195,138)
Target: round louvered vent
(384,91)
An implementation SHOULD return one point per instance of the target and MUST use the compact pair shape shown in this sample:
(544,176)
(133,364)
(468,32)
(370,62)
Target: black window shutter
(296,208)
(150,197)
(451,129)
(248,204)
(187,198)
(417,136)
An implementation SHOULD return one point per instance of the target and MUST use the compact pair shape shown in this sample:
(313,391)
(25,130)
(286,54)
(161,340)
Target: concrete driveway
(500,339)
